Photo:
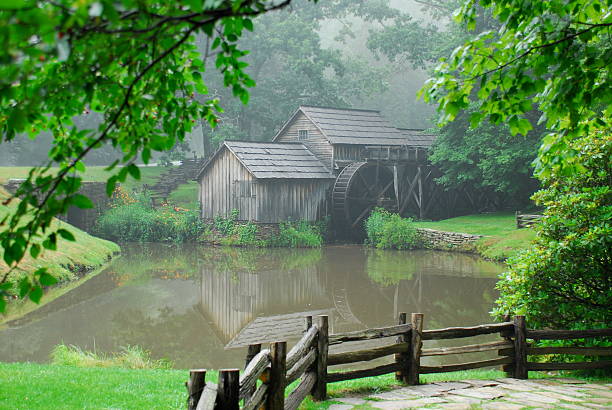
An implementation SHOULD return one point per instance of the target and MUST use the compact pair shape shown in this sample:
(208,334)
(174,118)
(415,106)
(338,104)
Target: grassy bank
(37,386)
(70,262)
(502,238)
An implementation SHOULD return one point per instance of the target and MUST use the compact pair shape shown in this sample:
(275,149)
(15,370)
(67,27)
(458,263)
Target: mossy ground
(502,239)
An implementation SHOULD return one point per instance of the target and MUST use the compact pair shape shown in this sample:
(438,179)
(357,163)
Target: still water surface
(199,306)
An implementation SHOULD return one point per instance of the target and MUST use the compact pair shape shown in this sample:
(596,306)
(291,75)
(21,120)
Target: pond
(200,306)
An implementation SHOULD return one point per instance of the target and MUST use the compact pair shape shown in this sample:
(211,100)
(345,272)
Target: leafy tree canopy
(484,158)
(552,53)
(135,63)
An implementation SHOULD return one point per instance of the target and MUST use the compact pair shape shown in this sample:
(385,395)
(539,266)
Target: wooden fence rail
(268,372)
(526,220)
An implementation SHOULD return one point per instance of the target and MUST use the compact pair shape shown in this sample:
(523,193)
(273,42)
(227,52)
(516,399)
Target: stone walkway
(499,394)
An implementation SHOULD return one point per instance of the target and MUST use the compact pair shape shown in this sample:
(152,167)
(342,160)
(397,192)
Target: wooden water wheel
(359,188)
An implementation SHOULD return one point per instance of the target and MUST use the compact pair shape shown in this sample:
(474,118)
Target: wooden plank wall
(275,200)
(344,152)
(218,188)
(291,199)
(316,142)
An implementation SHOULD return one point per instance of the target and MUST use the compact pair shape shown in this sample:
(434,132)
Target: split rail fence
(526,220)
(309,359)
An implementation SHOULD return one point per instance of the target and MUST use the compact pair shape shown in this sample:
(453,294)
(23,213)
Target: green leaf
(46,279)
(82,202)
(14,4)
(35,294)
(24,287)
(134,171)
(35,250)
(66,235)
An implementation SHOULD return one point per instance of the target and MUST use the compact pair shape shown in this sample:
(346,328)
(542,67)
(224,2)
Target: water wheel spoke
(364,182)
(362,215)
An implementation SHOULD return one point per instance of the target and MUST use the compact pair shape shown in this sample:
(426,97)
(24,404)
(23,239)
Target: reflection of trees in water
(226,259)
(451,289)
(388,267)
(142,262)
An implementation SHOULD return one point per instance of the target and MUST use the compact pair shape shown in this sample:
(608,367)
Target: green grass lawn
(502,240)
(43,386)
(36,386)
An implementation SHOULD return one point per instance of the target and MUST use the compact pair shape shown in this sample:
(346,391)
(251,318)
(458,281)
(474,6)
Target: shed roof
(354,126)
(418,138)
(267,160)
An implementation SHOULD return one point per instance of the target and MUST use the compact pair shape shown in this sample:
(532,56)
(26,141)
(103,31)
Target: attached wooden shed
(265,182)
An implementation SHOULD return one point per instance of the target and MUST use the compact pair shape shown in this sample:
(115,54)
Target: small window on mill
(302,134)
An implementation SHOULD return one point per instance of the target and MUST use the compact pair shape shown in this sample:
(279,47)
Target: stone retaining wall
(445,240)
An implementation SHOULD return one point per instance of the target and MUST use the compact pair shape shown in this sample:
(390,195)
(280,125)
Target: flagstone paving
(499,394)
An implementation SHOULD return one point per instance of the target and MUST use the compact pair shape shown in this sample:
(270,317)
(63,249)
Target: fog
(369,81)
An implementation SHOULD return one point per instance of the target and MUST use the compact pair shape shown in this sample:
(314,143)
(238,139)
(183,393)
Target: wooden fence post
(251,353)
(319,392)
(520,348)
(278,374)
(415,348)
(195,386)
(402,359)
(228,390)
(307,323)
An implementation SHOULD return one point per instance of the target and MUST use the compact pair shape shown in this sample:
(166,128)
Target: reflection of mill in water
(268,302)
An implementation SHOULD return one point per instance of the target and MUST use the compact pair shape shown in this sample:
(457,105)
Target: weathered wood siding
(228,185)
(345,152)
(221,188)
(315,142)
(296,199)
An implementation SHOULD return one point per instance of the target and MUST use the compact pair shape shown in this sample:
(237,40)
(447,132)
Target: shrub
(299,235)
(563,280)
(386,230)
(225,226)
(132,218)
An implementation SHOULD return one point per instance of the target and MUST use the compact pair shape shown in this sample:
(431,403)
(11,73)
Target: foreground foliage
(386,230)
(564,280)
(554,53)
(135,66)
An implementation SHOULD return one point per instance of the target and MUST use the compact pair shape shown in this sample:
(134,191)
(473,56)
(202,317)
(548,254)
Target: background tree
(556,54)
(136,65)
(482,157)
(292,66)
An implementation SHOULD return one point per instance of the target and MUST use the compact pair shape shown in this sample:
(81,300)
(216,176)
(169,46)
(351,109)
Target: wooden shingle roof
(267,160)
(418,138)
(352,126)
